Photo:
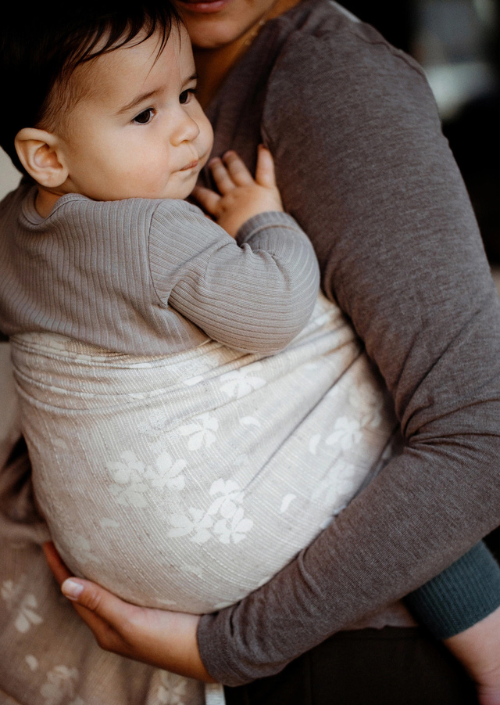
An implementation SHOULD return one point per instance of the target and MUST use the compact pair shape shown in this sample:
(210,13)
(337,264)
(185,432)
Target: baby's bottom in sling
(186,482)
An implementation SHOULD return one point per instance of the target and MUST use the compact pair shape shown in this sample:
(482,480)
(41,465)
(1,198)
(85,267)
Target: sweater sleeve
(254,294)
(363,167)
(465,593)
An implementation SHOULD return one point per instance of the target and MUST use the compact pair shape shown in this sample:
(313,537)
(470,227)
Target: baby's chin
(178,192)
(180,186)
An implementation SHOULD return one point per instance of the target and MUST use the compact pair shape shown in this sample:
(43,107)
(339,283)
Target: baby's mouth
(191,165)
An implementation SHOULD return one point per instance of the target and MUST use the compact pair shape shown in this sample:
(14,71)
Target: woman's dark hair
(41,47)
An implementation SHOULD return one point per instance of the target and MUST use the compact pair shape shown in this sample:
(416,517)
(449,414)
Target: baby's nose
(186,130)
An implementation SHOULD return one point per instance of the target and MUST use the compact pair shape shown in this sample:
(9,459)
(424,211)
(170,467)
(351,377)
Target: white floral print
(241,382)
(313,443)
(60,685)
(234,528)
(346,433)
(197,523)
(129,487)
(286,502)
(133,478)
(250,421)
(172,690)
(23,606)
(27,615)
(336,488)
(10,591)
(368,401)
(206,482)
(166,473)
(230,496)
(224,519)
(201,431)
(157,418)
(32,662)
(82,550)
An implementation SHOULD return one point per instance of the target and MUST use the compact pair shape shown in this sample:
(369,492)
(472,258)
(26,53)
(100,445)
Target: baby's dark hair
(41,47)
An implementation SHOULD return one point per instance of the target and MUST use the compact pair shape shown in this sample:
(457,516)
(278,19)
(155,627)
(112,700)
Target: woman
(362,166)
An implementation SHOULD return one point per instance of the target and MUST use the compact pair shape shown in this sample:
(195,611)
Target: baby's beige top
(152,277)
(185,479)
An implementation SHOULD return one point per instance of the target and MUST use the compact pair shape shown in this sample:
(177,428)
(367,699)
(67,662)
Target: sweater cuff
(263,221)
(214,653)
(460,596)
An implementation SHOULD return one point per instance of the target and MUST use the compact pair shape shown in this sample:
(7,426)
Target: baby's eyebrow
(136,101)
(145,96)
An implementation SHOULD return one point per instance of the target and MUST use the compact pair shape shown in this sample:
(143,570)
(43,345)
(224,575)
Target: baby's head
(101,99)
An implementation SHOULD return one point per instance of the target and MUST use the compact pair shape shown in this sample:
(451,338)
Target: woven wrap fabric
(181,482)
(187,481)
(48,655)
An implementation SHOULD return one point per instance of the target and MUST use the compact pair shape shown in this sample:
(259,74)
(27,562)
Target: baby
(194,413)
(153,445)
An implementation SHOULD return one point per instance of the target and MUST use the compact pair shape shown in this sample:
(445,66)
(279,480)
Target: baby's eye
(144,117)
(186,95)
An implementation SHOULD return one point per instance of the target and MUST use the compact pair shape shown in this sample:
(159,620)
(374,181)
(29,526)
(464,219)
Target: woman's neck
(213,65)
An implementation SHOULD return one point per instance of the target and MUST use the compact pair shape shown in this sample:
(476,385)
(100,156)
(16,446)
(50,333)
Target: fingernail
(71,589)
(214,160)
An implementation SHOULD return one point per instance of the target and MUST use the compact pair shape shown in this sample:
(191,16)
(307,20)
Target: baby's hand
(240,195)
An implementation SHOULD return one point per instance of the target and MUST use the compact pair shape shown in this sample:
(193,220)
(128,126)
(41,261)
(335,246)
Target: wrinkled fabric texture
(186,482)
(49,656)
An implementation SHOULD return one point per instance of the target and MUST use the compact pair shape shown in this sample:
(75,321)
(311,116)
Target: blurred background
(458,44)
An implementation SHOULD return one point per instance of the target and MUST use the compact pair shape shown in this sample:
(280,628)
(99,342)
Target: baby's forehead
(136,67)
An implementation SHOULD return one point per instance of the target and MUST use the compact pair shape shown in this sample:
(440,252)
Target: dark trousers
(400,666)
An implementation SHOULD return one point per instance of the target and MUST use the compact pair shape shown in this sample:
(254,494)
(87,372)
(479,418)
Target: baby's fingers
(221,176)
(230,172)
(237,169)
(264,173)
(208,199)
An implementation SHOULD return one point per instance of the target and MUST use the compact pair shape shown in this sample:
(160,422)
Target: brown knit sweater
(363,167)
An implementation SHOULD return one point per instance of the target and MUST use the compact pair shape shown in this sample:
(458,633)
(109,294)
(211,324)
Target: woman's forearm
(460,596)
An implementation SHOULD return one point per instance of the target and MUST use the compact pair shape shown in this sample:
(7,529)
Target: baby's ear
(40,154)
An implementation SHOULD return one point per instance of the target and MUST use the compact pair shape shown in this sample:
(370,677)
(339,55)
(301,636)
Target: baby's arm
(255,294)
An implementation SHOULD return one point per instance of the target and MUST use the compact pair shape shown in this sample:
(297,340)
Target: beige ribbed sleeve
(255,295)
(152,277)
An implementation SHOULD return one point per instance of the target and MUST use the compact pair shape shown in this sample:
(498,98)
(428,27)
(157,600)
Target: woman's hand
(159,638)
(240,196)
